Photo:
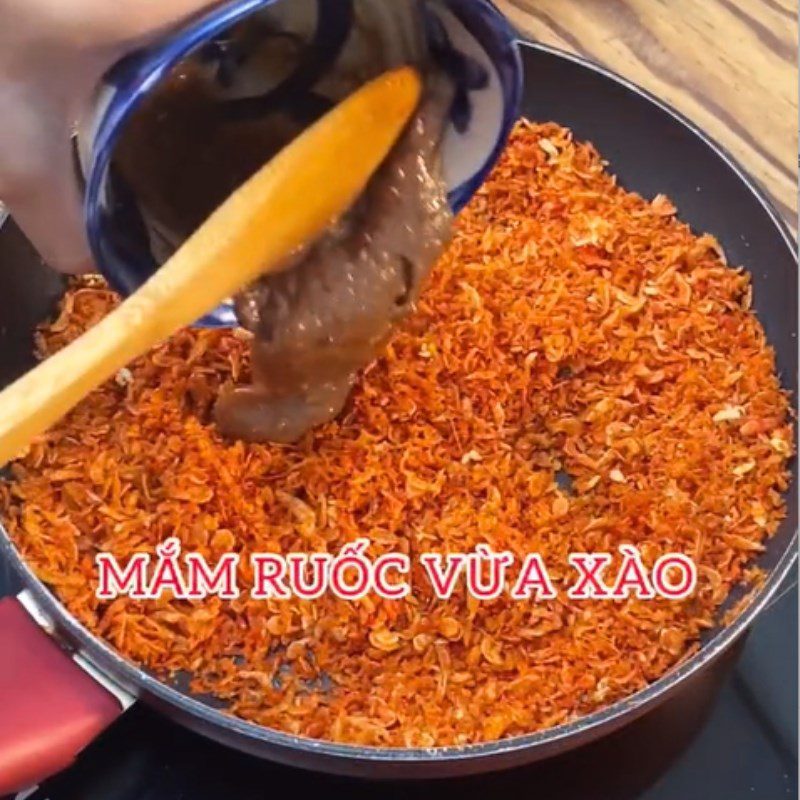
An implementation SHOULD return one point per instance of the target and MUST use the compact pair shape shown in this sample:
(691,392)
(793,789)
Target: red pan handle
(50,708)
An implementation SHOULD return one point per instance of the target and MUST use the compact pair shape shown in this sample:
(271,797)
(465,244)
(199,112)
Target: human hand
(53,53)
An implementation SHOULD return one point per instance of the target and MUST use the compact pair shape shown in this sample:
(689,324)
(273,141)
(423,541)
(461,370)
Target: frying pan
(48,698)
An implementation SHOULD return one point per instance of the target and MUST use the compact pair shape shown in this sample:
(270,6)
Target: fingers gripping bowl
(465,285)
(324,51)
(252,83)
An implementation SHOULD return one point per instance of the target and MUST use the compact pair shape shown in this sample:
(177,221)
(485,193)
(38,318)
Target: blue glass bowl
(469,38)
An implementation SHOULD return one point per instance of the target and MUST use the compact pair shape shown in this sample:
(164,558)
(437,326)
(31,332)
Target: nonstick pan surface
(652,150)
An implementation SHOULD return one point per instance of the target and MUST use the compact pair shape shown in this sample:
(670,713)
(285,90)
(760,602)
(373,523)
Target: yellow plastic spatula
(291,201)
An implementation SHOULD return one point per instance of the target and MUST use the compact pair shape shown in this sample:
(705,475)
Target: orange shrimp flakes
(572,331)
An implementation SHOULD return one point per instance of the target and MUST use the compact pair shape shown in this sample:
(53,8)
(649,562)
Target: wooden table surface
(728,65)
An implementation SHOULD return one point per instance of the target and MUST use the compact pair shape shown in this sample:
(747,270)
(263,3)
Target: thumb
(37,178)
(38,186)
(53,222)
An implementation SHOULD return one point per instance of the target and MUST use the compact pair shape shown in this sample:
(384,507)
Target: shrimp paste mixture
(318,322)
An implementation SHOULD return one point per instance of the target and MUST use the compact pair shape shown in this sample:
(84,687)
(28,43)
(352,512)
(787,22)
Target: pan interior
(652,151)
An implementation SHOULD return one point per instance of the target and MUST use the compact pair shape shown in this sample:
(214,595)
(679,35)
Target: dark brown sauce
(326,316)
(182,158)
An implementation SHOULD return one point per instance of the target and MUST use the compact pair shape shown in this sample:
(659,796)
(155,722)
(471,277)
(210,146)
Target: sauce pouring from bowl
(293,199)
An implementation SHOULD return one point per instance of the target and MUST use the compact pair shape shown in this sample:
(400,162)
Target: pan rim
(126,672)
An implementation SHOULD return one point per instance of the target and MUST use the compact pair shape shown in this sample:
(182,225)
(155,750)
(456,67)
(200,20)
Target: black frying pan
(653,150)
